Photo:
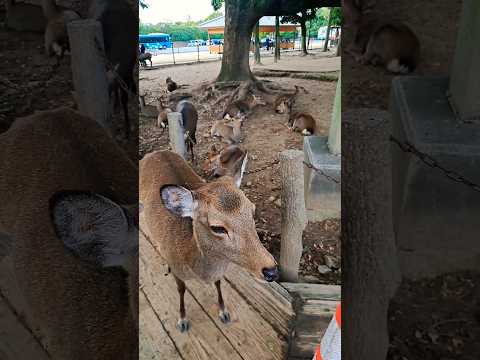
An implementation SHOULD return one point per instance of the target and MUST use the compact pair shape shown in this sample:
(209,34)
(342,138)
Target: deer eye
(220,230)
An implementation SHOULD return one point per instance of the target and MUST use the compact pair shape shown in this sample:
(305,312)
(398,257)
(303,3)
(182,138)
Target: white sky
(176,10)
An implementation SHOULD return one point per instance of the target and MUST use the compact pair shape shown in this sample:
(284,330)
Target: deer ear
(94,228)
(240,167)
(177,200)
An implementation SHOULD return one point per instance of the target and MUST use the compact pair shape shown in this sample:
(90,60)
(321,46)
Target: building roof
(219,22)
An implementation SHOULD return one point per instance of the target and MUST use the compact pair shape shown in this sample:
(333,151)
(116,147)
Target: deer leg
(223,314)
(182,323)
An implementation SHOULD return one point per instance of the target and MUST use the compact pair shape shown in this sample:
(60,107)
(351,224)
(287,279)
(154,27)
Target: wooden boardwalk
(270,321)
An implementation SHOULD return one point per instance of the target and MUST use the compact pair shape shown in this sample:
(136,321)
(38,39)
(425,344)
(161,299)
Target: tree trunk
(369,260)
(240,18)
(339,46)
(277,38)
(303,25)
(327,36)
(258,60)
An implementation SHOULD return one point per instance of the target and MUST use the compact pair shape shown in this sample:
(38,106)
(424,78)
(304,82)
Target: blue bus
(155,41)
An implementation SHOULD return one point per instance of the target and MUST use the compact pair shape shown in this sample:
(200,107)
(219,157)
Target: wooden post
(176,133)
(369,258)
(173,54)
(294,218)
(91,92)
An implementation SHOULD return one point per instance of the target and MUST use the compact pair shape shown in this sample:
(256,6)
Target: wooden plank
(314,291)
(204,340)
(248,332)
(155,344)
(16,341)
(270,300)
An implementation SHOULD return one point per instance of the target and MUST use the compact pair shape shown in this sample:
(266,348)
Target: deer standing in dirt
(221,162)
(390,44)
(119,27)
(56,35)
(73,247)
(189,119)
(200,227)
(142,59)
(228,133)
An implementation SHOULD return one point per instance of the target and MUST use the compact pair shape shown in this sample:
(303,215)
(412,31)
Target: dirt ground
(29,82)
(434,318)
(264,135)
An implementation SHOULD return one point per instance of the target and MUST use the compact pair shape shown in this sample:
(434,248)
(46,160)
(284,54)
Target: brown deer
(56,36)
(302,122)
(224,161)
(242,108)
(73,247)
(284,103)
(390,44)
(229,133)
(162,119)
(189,118)
(200,227)
(171,85)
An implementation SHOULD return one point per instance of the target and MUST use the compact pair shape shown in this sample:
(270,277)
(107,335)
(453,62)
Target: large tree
(240,18)
(301,18)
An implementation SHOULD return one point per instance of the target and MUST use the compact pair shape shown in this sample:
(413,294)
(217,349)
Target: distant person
(142,49)
(267,41)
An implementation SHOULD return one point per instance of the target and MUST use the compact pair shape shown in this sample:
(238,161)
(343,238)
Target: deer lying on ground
(390,44)
(302,122)
(24,17)
(189,118)
(221,162)
(74,249)
(242,108)
(200,227)
(229,133)
(56,35)
(119,27)
(284,103)
(171,85)
(142,59)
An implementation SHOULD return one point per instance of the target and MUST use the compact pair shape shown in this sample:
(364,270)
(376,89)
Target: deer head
(223,222)
(100,233)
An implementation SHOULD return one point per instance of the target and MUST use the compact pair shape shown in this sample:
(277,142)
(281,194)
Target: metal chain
(431,162)
(321,172)
(265,167)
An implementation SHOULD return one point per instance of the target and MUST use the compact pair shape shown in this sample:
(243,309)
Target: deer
(390,44)
(242,108)
(302,122)
(163,111)
(171,85)
(142,59)
(284,102)
(119,27)
(221,162)
(69,219)
(56,36)
(189,119)
(200,228)
(229,133)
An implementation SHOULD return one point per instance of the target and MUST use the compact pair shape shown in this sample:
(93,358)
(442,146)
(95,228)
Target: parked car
(197,42)
(216,42)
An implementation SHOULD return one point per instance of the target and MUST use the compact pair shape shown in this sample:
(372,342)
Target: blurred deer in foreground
(200,228)
(73,246)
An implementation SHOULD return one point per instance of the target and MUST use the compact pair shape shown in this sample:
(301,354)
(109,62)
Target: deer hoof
(183,325)
(224,316)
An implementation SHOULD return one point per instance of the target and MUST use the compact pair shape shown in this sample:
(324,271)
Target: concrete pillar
(88,57)
(465,74)
(334,135)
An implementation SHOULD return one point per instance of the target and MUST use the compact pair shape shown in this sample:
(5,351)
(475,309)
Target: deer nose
(270,274)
